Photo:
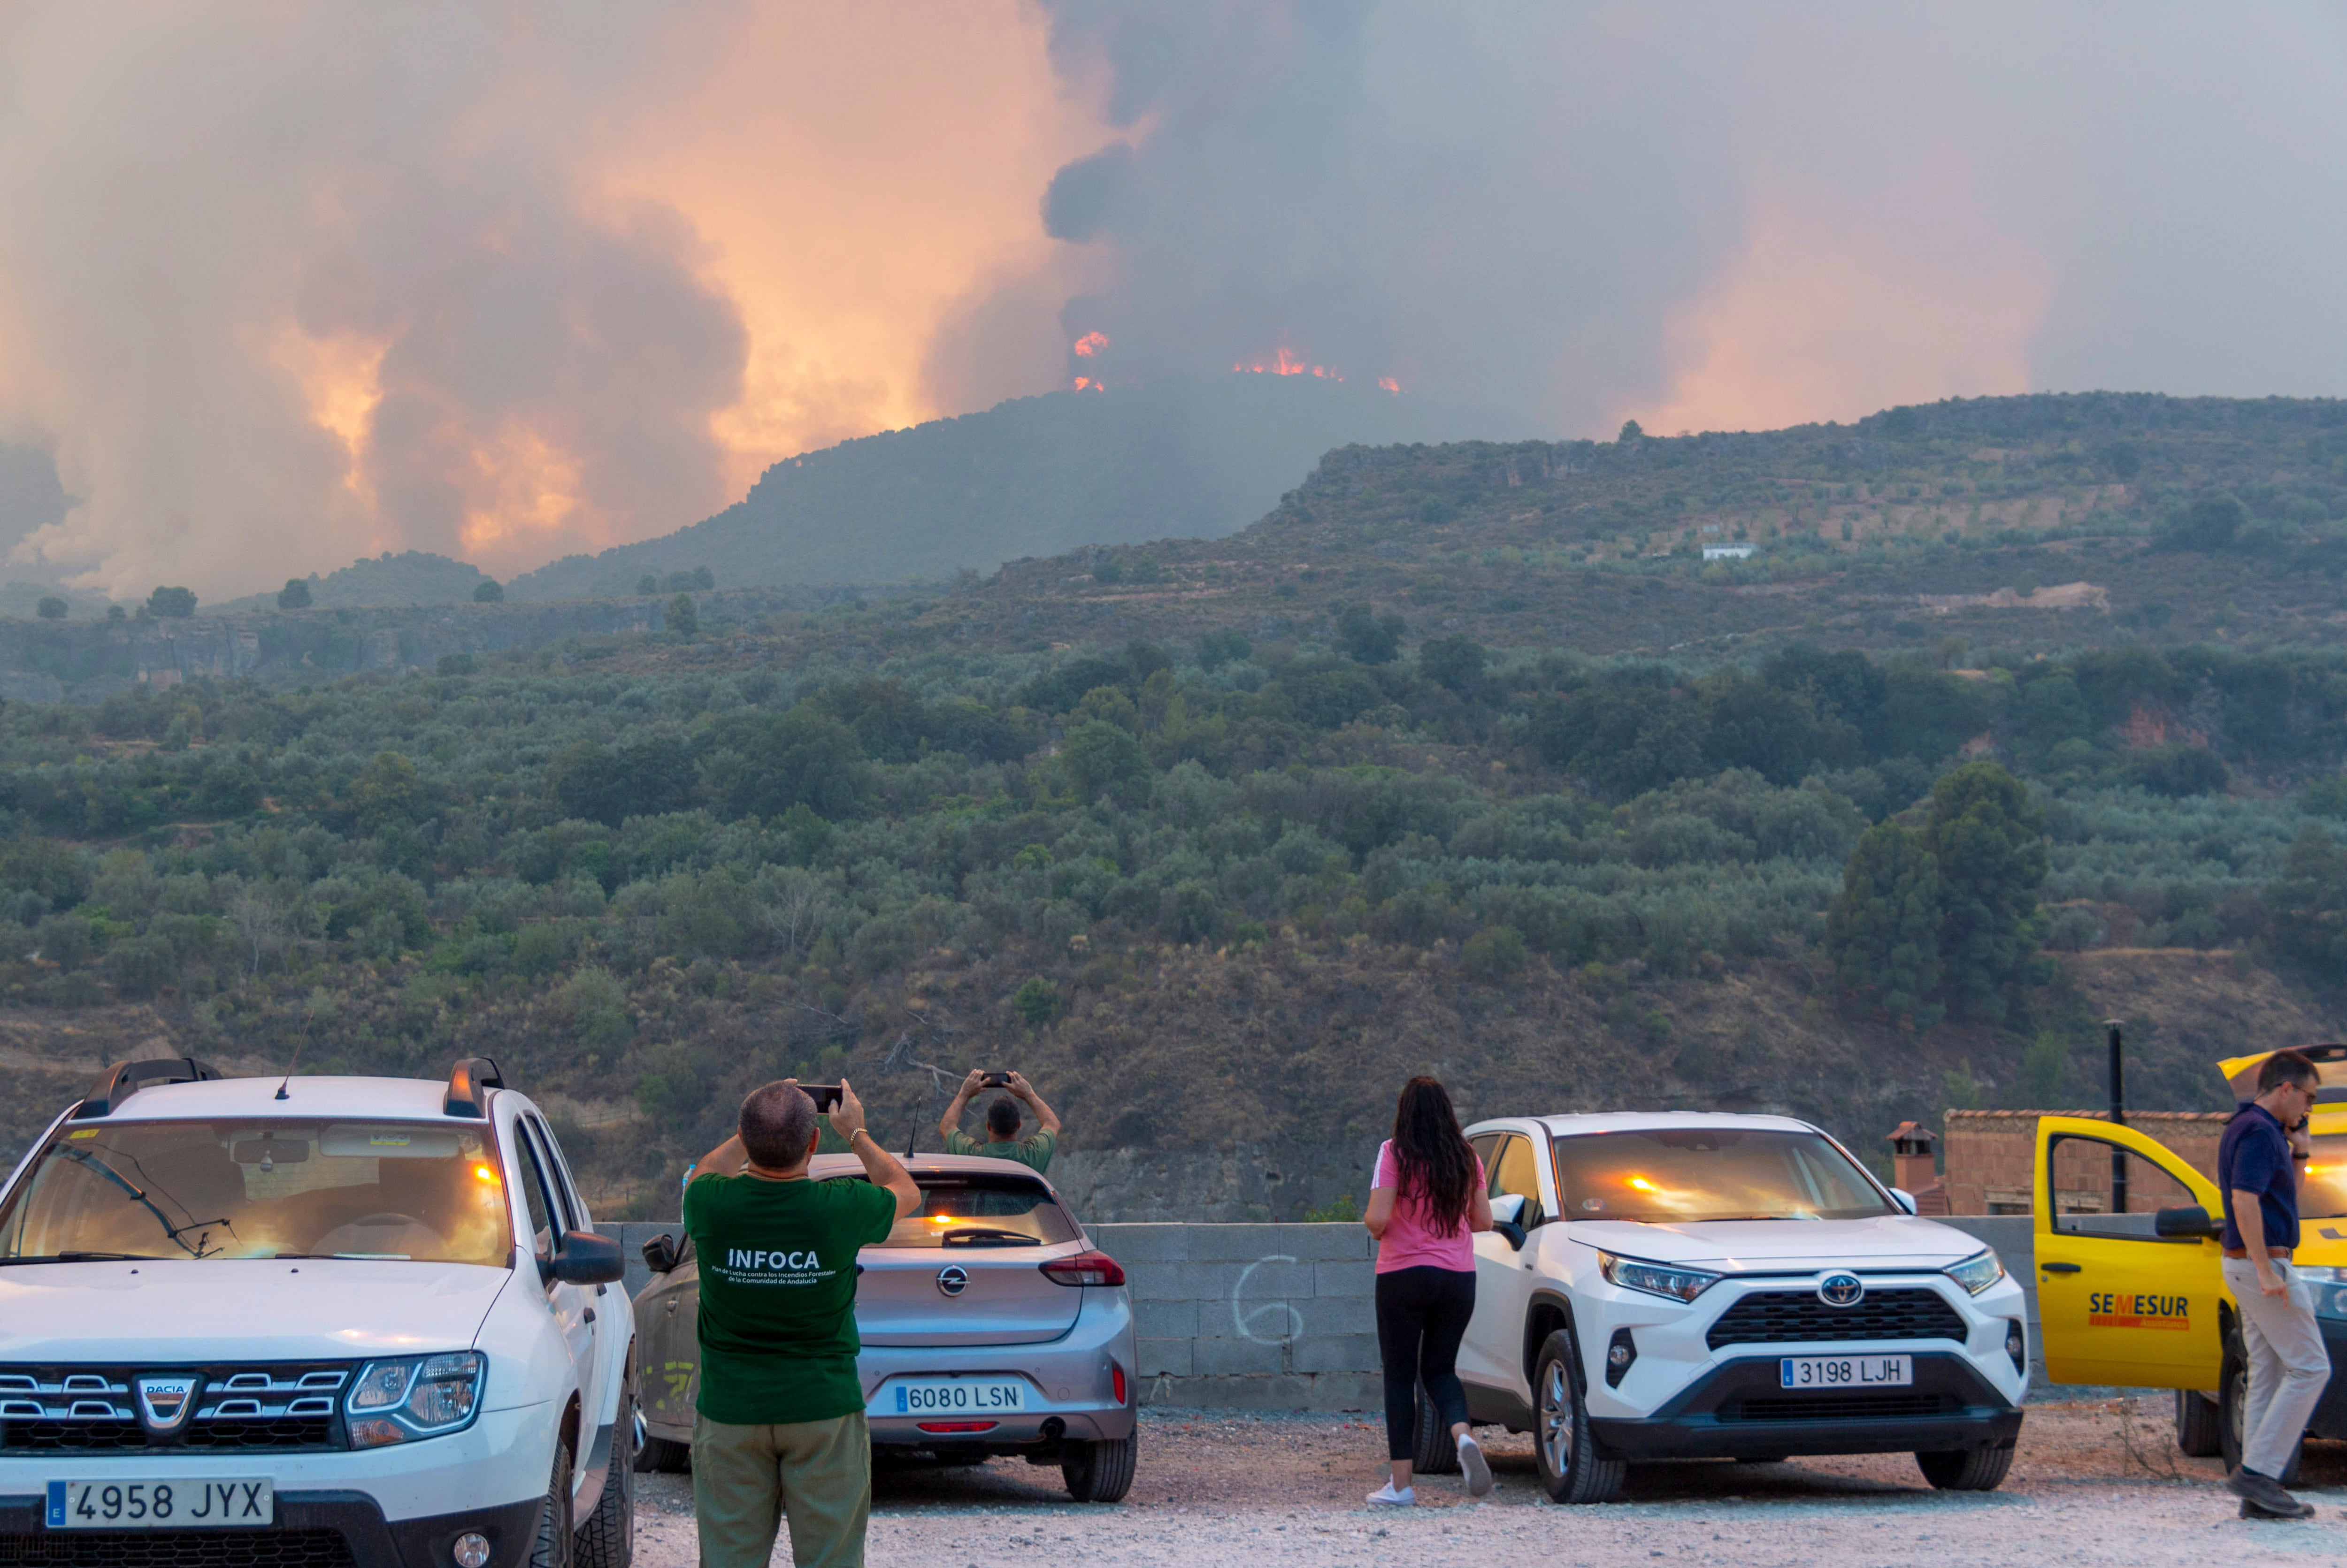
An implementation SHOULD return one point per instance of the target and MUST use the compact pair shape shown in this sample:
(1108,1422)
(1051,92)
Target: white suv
(322,1321)
(1680,1285)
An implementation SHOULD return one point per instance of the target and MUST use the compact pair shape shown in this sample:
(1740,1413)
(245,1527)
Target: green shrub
(1494,953)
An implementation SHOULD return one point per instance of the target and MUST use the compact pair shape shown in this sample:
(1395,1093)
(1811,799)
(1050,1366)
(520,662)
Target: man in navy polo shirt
(2256,1169)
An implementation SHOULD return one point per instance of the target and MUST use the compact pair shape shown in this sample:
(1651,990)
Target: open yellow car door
(2117,1303)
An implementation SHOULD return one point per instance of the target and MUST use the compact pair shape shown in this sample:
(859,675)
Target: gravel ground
(2092,1482)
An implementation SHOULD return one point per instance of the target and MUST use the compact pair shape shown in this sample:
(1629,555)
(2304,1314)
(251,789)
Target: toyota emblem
(952,1280)
(1840,1289)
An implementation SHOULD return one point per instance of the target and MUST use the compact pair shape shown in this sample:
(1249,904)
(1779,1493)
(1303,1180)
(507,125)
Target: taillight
(1084,1268)
(1116,1377)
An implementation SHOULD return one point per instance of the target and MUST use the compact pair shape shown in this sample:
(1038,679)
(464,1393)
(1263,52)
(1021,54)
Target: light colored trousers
(747,1480)
(2289,1369)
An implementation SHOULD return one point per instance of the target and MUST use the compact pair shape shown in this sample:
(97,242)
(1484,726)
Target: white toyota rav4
(1679,1286)
(357,1321)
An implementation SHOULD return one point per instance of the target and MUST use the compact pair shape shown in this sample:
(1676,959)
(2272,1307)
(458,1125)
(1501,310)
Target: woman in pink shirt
(1428,1197)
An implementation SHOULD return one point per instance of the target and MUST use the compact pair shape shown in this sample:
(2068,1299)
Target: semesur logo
(2121,1309)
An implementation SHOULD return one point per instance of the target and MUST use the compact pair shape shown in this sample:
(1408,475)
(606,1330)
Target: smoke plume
(285,283)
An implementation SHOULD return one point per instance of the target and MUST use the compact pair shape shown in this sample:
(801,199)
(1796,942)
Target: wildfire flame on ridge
(1090,344)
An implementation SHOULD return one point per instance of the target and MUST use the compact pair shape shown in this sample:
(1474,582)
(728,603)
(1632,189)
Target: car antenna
(290,1066)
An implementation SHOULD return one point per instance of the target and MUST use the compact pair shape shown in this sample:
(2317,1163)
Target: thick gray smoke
(1713,214)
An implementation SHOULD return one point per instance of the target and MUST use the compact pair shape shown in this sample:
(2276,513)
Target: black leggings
(1422,1314)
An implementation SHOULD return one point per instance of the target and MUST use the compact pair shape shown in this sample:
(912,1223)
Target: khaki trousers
(747,1480)
(2289,1368)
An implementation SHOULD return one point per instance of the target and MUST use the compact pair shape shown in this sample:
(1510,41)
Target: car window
(2084,1199)
(969,1209)
(1486,1145)
(533,1192)
(1517,1173)
(1667,1175)
(263,1188)
(558,1172)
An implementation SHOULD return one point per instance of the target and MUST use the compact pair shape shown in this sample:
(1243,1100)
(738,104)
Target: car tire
(1570,1470)
(666,1458)
(1435,1450)
(2198,1425)
(2233,1405)
(607,1539)
(1099,1471)
(552,1547)
(1966,1470)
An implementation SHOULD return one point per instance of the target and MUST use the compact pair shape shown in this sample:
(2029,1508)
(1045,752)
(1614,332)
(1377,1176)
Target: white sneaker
(1478,1469)
(1387,1496)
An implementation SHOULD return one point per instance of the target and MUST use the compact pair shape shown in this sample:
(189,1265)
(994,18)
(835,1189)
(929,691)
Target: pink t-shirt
(1411,1240)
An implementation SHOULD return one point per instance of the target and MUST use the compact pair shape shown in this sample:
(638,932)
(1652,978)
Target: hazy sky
(285,283)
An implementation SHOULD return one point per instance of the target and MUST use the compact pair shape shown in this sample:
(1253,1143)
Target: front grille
(1798,1317)
(178,1549)
(1836,1408)
(241,1408)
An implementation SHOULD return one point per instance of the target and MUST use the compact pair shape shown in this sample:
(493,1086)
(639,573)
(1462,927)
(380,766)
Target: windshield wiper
(88,1258)
(989,1238)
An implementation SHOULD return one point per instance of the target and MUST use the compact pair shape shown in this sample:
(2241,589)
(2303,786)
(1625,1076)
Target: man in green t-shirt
(1002,1119)
(778,1428)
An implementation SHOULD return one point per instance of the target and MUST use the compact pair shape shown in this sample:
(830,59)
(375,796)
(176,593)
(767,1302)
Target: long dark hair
(1433,1167)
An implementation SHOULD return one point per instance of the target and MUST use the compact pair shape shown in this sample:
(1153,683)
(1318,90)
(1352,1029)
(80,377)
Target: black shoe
(2263,1497)
(2254,1510)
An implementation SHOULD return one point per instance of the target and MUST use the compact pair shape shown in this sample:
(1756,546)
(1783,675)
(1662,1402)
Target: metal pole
(2118,1119)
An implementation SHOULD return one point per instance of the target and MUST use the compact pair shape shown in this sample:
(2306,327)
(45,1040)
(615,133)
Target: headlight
(1654,1278)
(2327,1285)
(1978,1272)
(413,1396)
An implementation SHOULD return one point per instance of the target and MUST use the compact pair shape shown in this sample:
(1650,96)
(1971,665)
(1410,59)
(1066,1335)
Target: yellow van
(2130,1293)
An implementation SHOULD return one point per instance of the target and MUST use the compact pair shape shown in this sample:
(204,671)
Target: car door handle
(589,1316)
(2059,1267)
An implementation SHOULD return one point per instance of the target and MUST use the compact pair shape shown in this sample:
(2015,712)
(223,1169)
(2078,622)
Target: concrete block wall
(1252,1316)
(1282,1317)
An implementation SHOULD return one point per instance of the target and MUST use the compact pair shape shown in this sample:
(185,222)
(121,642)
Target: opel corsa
(317,1321)
(1680,1285)
(990,1324)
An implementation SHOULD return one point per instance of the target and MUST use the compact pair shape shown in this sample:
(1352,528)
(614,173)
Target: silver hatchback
(991,1325)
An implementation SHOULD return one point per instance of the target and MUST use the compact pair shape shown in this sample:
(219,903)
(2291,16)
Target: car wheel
(607,1539)
(552,1547)
(1570,1470)
(666,1457)
(2232,1407)
(2198,1420)
(1966,1470)
(1435,1453)
(1101,1471)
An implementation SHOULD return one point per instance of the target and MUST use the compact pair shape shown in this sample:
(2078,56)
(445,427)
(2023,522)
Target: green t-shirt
(777,1322)
(1036,1151)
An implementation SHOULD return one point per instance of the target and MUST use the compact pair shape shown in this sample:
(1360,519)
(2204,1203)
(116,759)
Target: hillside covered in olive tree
(2020,712)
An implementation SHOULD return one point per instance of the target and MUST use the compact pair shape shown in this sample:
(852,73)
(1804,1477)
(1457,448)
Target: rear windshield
(986,1210)
(1671,1175)
(247,1189)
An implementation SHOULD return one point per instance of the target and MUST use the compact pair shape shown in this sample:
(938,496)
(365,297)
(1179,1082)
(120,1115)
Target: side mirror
(1512,1230)
(586,1259)
(1508,1209)
(660,1253)
(1906,1199)
(2189,1223)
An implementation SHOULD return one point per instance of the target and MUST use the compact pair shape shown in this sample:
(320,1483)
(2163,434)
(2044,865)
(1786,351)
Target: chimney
(1910,1157)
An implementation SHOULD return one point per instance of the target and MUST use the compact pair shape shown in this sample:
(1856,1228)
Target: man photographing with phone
(778,1428)
(1003,1121)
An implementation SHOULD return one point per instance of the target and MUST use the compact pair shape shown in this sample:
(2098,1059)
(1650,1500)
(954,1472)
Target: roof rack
(125,1078)
(469,1083)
